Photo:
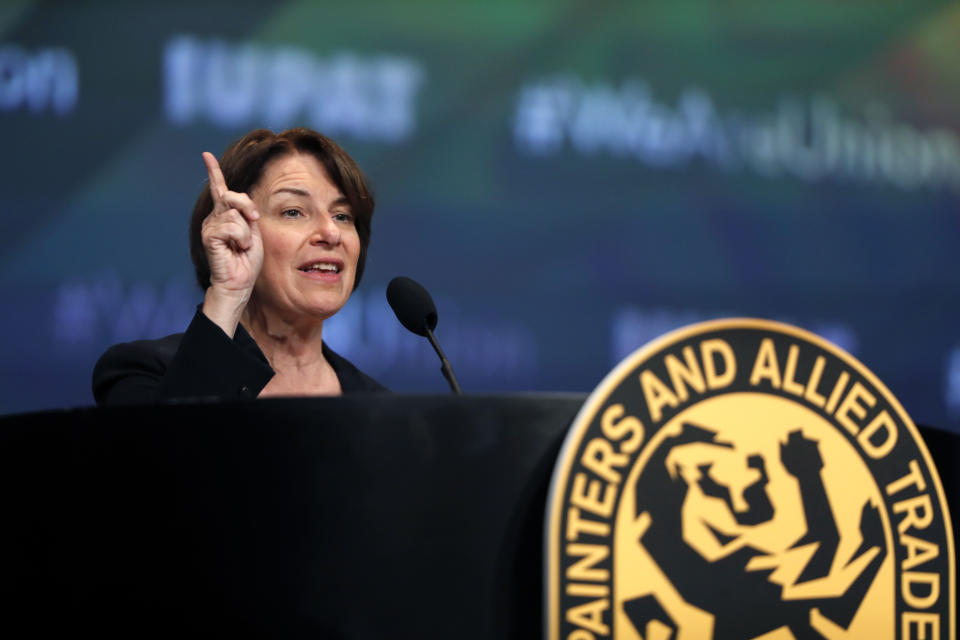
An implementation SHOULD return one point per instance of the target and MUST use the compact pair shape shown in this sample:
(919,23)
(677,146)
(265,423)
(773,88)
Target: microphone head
(413,305)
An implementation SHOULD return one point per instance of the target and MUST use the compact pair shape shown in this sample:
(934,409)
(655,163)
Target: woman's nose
(326,232)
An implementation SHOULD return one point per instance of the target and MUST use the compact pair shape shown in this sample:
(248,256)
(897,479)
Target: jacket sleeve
(202,363)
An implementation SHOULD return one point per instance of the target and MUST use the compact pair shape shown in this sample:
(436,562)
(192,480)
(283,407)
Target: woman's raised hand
(234,250)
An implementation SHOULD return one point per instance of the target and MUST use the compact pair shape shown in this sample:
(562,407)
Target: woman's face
(310,243)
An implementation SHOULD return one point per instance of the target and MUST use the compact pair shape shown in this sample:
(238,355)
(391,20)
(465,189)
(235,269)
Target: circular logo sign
(743,479)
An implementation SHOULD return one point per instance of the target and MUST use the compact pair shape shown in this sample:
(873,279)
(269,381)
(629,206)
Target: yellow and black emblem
(745,479)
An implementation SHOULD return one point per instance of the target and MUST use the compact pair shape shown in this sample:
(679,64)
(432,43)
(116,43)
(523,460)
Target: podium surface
(356,517)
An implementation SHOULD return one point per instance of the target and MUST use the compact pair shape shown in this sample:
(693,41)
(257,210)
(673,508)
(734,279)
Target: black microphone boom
(415,311)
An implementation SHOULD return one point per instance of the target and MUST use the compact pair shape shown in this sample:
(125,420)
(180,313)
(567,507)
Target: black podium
(364,517)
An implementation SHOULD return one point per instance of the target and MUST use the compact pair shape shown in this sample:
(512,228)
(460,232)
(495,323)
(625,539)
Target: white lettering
(40,81)
(234,85)
(809,139)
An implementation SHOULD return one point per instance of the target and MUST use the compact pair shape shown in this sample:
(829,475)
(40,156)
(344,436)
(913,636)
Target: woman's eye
(343,217)
(291,213)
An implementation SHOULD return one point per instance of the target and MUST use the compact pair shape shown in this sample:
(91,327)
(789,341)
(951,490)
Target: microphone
(415,311)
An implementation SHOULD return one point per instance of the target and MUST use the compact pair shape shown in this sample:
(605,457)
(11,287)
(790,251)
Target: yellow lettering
(577,525)
(811,394)
(589,615)
(852,403)
(582,590)
(766,365)
(618,430)
(711,348)
(877,451)
(922,620)
(580,634)
(599,457)
(656,394)
(913,508)
(585,569)
(789,384)
(914,478)
(837,390)
(681,376)
(918,551)
(586,495)
(911,578)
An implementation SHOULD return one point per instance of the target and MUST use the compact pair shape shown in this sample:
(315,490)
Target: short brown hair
(243,163)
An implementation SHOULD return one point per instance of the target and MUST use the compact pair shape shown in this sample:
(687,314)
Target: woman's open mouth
(322,267)
(323,270)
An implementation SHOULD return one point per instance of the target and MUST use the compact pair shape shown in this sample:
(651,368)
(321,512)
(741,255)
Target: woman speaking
(278,238)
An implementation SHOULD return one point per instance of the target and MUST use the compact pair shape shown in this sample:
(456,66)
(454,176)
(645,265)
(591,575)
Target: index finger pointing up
(217,184)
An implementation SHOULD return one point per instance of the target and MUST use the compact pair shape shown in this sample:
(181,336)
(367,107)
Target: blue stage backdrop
(570,179)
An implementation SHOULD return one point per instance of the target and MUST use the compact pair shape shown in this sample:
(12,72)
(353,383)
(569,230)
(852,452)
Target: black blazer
(202,362)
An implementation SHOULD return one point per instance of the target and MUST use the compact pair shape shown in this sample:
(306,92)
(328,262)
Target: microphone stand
(445,367)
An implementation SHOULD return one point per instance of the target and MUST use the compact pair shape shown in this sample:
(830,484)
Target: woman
(278,239)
